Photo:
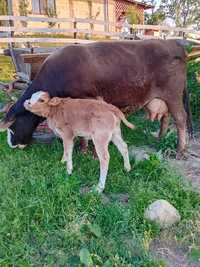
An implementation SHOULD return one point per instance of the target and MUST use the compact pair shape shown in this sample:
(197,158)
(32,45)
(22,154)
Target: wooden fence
(14,30)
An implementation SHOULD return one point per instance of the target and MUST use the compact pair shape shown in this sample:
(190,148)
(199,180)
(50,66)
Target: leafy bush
(193,81)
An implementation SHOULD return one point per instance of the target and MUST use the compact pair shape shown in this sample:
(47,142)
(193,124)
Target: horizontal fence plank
(164,28)
(51,30)
(56,20)
(100,22)
(71,40)
(36,19)
(34,58)
(43,40)
(18,30)
(194,41)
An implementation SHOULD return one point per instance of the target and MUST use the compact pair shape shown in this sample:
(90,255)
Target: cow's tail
(186,101)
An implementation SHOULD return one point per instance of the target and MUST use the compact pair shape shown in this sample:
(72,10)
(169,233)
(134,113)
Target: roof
(145,6)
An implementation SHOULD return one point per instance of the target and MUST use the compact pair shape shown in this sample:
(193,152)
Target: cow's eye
(41,100)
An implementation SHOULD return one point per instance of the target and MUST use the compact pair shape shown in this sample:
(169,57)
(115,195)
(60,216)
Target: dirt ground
(173,254)
(191,166)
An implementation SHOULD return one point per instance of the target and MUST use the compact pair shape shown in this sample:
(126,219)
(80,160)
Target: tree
(155,16)
(3,7)
(133,16)
(3,10)
(183,12)
(23,10)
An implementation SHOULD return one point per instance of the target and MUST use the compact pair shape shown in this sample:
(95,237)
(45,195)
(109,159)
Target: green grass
(46,221)
(6,69)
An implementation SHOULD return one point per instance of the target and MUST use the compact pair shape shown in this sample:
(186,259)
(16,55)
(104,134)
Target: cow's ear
(4,125)
(54,101)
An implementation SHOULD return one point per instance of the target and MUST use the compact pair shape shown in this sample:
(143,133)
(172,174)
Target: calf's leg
(122,147)
(67,156)
(68,144)
(101,146)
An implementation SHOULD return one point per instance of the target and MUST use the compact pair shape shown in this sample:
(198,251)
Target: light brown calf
(89,118)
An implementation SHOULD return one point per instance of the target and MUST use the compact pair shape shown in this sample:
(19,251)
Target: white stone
(162,213)
(140,153)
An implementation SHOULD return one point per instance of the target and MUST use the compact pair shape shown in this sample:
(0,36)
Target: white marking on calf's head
(36,96)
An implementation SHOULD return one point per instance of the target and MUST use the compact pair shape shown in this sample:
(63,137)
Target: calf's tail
(127,123)
(122,117)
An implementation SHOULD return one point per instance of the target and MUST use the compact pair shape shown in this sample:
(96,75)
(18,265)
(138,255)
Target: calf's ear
(54,101)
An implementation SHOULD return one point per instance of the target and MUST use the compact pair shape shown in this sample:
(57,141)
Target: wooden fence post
(75,27)
(11,34)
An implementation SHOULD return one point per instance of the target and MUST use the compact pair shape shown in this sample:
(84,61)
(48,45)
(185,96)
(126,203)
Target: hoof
(181,155)
(84,151)
(69,172)
(94,155)
(128,168)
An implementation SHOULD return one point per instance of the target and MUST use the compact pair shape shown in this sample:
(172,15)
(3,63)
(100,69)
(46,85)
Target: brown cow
(125,74)
(90,118)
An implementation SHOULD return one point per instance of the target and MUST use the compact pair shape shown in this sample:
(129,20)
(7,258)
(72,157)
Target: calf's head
(40,103)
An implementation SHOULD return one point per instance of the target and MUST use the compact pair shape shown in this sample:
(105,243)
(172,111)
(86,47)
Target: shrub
(193,80)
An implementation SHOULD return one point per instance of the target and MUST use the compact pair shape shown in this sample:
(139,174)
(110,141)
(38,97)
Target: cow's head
(19,128)
(40,103)
(21,125)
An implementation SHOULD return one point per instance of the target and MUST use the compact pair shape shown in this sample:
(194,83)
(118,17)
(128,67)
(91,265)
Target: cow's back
(122,72)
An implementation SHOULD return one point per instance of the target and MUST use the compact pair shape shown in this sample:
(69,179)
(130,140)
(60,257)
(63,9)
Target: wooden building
(104,10)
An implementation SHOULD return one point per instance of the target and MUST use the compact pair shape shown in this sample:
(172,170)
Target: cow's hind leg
(122,147)
(178,113)
(84,145)
(163,126)
(101,146)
